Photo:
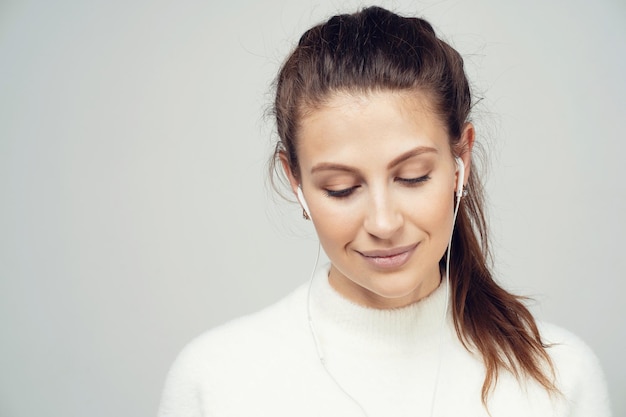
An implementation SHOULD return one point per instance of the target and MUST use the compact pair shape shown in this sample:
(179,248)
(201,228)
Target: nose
(384,217)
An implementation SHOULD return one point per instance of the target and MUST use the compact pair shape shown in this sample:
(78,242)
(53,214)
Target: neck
(387,342)
(386,293)
(393,328)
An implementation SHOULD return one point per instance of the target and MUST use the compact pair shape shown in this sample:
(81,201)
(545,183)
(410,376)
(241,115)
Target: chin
(398,292)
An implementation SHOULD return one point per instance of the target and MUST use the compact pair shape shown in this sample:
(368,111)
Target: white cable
(308,308)
(318,347)
(446,305)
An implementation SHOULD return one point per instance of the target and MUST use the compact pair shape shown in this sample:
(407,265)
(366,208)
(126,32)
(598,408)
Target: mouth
(388,258)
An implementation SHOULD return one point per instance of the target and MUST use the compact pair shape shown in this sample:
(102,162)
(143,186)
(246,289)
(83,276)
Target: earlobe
(306,213)
(466,143)
(295,186)
(460,176)
(293,181)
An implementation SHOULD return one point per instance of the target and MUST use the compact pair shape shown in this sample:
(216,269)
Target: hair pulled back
(369,51)
(377,50)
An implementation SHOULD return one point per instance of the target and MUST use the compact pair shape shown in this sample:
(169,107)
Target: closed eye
(341,193)
(413,181)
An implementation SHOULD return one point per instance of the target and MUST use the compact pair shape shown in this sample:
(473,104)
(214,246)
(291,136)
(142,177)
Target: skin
(378,175)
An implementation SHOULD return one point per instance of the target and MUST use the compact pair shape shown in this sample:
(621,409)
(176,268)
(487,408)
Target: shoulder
(244,342)
(578,371)
(249,334)
(564,341)
(567,349)
(223,361)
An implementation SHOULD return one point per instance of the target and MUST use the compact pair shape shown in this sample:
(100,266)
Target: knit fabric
(381,363)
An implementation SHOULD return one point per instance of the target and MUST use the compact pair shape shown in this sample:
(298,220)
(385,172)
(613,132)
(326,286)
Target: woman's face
(379,178)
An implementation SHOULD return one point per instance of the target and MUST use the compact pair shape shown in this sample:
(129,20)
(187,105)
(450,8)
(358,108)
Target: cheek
(335,226)
(433,213)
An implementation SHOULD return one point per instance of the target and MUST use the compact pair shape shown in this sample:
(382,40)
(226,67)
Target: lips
(388,258)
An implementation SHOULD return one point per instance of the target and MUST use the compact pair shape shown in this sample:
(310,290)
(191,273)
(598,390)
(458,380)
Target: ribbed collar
(338,320)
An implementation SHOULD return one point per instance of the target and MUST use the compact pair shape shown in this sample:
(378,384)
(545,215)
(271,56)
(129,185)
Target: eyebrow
(330,166)
(410,154)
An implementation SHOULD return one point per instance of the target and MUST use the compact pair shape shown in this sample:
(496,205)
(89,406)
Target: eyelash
(411,182)
(414,181)
(341,193)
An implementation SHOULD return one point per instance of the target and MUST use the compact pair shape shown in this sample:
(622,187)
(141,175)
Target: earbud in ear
(460,169)
(302,201)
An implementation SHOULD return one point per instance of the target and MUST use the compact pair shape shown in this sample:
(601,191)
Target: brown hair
(374,50)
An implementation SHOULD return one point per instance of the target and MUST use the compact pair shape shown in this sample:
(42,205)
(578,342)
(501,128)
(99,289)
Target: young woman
(373,116)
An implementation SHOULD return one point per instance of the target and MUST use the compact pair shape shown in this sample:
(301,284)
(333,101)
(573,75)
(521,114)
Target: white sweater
(266,364)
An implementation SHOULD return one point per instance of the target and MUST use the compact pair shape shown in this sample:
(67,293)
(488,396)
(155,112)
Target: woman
(372,112)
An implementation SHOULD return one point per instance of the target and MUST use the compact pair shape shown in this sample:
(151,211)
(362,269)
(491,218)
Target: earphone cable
(318,347)
(446,306)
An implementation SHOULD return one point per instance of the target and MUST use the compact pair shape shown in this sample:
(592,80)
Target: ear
(465,145)
(293,180)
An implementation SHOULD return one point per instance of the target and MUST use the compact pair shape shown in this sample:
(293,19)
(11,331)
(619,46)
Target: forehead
(369,128)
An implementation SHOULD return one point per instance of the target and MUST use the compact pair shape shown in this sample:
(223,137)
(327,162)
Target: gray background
(134,208)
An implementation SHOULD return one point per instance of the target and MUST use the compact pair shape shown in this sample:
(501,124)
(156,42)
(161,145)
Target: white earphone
(459,181)
(302,201)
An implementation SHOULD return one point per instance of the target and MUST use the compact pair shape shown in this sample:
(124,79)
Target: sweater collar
(400,328)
